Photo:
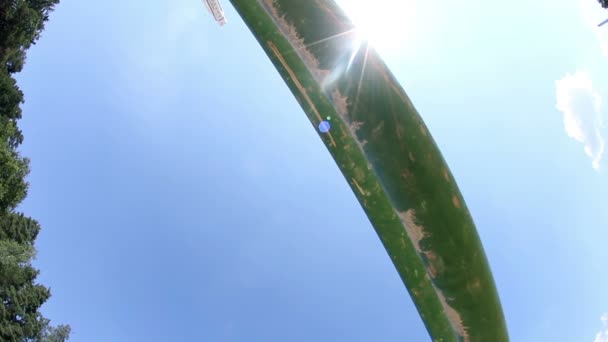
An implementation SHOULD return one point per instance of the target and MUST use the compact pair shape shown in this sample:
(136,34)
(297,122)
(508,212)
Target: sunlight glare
(387,24)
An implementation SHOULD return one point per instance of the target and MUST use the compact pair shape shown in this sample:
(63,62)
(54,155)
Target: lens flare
(324,127)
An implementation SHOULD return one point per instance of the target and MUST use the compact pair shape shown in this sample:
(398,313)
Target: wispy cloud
(580,105)
(593,14)
(602,336)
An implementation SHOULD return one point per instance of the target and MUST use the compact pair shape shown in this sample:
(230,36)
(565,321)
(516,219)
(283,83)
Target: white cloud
(593,14)
(580,105)
(602,336)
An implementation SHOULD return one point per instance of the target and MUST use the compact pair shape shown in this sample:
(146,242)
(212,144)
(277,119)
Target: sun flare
(387,24)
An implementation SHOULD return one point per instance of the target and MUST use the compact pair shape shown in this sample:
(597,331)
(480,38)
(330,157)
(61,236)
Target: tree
(12,252)
(15,263)
(18,228)
(604,3)
(10,133)
(21,297)
(61,333)
(13,186)
(13,167)
(10,96)
(20,319)
(21,23)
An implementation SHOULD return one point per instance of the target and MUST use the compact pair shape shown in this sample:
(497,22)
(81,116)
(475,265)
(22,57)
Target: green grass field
(389,159)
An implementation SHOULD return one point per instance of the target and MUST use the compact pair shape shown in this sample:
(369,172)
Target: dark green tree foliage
(13,168)
(20,319)
(14,263)
(10,96)
(21,23)
(18,228)
(10,133)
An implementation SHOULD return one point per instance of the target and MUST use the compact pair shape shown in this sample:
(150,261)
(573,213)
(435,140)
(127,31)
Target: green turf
(391,162)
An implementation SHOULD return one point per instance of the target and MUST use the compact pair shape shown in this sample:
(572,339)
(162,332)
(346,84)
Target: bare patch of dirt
(414,231)
(436,264)
(453,316)
(340,103)
(456,201)
(297,42)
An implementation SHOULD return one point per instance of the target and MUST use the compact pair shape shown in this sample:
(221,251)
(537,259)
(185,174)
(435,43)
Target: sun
(387,24)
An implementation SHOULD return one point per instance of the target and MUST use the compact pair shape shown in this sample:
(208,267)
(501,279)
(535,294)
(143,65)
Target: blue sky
(184,196)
